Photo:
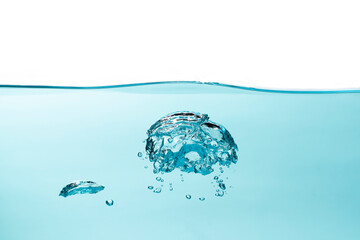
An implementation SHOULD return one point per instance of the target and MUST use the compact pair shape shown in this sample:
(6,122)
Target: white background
(307,44)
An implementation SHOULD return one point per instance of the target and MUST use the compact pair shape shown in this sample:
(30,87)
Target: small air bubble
(222,186)
(109,202)
(220,193)
(188,196)
(145,166)
(140,154)
(157,190)
(216,178)
(150,187)
(202,199)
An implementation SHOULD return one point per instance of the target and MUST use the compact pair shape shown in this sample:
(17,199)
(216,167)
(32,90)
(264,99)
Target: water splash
(190,142)
(81,187)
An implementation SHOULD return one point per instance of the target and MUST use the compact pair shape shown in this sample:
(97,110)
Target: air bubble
(187,148)
(81,187)
(188,196)
(222,186)
(220,193)
(202,199)
(150,187)
(157,190)
(109,202)
(140,154)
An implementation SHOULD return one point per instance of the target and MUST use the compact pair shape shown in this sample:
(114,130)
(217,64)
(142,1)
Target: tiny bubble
(188,196)
(216,178)
(157,190)
(158,179)
(202,199)
(145,166)
(150,187)
(220,194)
(139,154)
(222,186)
(109,202)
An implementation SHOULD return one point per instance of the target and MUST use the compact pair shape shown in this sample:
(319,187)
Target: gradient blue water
(297,176)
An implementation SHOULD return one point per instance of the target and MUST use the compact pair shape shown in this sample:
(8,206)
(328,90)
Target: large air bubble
(81,187)
(190,142)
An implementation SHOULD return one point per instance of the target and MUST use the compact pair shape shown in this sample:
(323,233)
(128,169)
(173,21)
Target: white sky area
(307,44)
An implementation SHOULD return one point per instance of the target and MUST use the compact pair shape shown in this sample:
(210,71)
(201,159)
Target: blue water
(296,175)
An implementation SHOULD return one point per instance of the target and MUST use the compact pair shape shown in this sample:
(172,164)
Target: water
(296,175)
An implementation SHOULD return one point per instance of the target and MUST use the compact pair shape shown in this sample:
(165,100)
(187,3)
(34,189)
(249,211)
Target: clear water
(296,176)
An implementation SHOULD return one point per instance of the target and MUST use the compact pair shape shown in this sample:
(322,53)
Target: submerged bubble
(139,154)
(197,144)
(202,199)
(222,186)
(171,187)
(188,196)
(109,202)
(81,187)
(216,178)
(158,179)
(150,187)
(157,190)
(219,193)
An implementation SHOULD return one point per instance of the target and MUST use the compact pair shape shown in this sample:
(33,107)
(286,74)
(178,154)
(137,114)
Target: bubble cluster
(190,142)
